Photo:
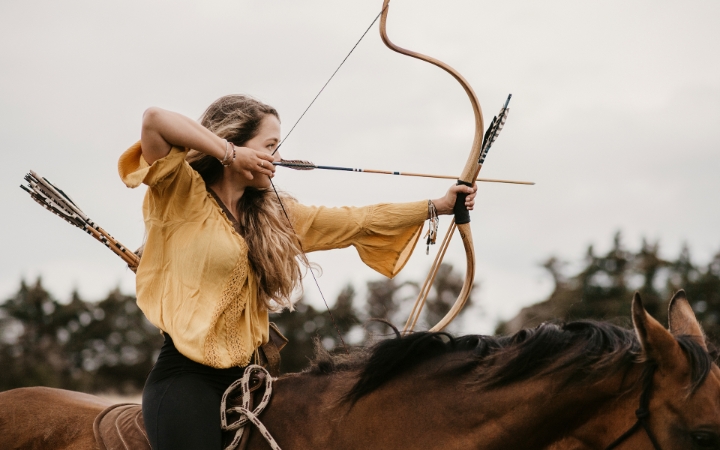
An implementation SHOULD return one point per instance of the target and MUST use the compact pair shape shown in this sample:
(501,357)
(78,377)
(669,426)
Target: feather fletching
(59,203)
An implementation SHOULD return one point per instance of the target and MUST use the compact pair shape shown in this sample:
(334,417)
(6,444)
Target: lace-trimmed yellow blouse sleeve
(194,281)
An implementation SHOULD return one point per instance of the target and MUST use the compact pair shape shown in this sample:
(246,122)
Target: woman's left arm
(445,204)
(383,234)
(323,228)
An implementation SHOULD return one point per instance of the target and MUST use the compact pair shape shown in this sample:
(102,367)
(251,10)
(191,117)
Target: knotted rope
(244,409)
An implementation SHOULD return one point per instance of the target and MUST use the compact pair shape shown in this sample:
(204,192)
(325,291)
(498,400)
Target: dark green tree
(603,288)
(305,325)
(32,351)
(446,289)
(104,346)
(384,298)
(117,347)
(109,346)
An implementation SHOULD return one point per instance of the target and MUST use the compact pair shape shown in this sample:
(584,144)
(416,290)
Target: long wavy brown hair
(273,248)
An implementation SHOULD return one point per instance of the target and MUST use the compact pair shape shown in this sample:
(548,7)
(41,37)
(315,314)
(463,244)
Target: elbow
(151,117)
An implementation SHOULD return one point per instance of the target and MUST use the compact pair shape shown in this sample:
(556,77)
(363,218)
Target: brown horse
(571,386)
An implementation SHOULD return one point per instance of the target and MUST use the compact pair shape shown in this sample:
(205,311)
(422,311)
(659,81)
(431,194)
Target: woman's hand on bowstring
(445,204)
(250,162)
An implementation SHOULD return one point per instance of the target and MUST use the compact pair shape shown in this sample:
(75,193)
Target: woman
(220,253)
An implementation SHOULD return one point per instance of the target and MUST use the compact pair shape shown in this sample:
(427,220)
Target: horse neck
(544,411)
(613,415)
(449,412)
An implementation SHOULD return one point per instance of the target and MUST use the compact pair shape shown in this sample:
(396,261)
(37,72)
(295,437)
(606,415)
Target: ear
(657,343)
(681,318)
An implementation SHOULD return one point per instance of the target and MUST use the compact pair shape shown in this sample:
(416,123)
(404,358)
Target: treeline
(603,288)
(109,346)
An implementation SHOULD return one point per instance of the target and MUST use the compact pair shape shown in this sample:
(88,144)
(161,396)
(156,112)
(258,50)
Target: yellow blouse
(194,281)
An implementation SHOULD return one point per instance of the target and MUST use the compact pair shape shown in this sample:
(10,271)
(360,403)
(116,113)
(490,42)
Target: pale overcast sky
(615,115)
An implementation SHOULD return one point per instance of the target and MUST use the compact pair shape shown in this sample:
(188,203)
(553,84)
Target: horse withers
(570,386)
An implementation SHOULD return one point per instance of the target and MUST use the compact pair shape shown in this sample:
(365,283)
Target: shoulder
(134,169)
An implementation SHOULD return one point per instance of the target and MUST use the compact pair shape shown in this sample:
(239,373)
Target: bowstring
(328,81)
(307,263)
(322,295)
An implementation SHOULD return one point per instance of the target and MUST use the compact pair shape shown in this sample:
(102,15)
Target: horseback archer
(223,249)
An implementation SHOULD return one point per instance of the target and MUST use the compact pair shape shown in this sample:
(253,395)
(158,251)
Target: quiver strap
(269,353)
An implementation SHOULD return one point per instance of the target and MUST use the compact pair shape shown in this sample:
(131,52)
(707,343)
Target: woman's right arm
(162,129)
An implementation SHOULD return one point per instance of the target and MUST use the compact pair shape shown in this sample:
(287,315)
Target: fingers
(470,191)
(266,160)
(461,188)
(470,199)
(250,163)
(265,167)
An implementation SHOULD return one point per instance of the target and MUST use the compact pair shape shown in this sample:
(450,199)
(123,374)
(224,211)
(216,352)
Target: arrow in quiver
(59,203)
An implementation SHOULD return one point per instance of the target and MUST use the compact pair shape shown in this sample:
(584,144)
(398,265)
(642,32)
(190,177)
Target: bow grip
(462,215)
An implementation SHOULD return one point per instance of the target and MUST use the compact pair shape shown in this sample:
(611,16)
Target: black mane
(579,350)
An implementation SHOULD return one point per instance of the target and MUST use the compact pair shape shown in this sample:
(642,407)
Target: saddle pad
(121,427)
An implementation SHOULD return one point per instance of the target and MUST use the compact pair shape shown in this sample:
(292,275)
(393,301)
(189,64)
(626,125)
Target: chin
(261,182)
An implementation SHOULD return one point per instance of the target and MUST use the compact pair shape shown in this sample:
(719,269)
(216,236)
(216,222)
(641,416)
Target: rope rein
(246,415)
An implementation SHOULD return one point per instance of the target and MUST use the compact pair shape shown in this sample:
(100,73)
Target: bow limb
(467,177)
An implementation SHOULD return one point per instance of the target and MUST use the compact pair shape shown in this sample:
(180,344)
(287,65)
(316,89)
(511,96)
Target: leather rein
(642,414)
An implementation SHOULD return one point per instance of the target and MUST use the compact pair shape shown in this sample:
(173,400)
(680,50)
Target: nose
(276,156)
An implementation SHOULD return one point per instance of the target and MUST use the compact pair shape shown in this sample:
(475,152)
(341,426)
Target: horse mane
(579,351)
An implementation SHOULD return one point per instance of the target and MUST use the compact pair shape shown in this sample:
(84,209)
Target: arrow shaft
(390,172)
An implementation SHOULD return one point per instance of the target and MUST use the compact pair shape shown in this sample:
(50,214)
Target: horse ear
(681,318)
(657,343)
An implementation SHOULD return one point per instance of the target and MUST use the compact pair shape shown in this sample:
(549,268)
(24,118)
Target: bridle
(642,414)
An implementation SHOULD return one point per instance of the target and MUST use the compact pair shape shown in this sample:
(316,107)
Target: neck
(548,413)
(230,188)
(432,412)
(613,416)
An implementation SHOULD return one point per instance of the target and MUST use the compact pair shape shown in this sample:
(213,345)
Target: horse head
(683,391)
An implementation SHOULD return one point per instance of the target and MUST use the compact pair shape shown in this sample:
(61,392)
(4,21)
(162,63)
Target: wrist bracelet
(433,223)
(227,153)
(232,160)
(229,156)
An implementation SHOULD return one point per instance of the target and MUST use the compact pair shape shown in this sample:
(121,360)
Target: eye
(705,440)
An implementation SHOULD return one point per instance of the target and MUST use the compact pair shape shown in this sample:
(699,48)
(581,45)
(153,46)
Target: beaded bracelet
(227,153)
(227,160)
(233,155)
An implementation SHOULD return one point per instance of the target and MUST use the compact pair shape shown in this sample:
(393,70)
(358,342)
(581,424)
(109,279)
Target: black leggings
(181,401)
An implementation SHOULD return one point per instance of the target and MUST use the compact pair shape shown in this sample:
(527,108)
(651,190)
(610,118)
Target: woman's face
(266,140)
